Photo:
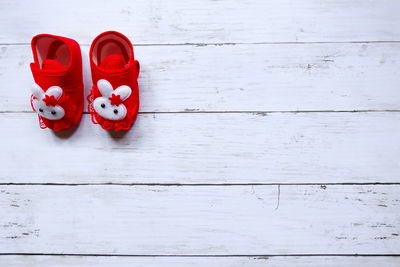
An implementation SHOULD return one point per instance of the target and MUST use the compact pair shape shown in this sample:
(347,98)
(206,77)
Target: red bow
(115,100)
(50,100)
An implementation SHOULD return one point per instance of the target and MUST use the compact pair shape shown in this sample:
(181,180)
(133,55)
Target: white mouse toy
(109,105)
(46,103)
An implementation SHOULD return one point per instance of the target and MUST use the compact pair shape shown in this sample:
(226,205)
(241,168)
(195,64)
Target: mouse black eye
(103,105)
(40,110)
(115,111)
(53,112)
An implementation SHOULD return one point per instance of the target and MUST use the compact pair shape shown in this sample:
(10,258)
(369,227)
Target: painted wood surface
(221,86)
(207,148)
(200,220)
(241,77)
(199,21)
(51,261)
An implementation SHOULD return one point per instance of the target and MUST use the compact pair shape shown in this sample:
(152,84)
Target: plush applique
(109,105)
(46,103)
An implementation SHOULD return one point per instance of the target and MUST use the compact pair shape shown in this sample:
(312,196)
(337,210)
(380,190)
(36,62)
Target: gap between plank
(254,112)
(199,184)
(258,256)
(244,43)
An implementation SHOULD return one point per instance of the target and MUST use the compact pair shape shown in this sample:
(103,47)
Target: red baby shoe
(57,95)
(114,98)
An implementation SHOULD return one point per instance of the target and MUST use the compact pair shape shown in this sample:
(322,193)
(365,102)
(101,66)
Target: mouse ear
(105,88)
(123,91)
(37,91)
(55,91)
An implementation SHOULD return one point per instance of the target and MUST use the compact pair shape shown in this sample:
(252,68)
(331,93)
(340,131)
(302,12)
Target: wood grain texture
(207,148)
(241,77)
(199,21)
(200,220)
(59,261)
(210,70)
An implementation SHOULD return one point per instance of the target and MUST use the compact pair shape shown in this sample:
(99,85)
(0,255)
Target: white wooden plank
(203,21)
(70,261)
(200,220)
(207,148)
(242,77)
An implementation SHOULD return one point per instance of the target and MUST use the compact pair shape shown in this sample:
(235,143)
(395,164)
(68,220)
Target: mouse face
(109,105)
(46,103)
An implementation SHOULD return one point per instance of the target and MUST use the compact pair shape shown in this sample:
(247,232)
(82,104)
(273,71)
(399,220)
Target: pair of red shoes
(58,96)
